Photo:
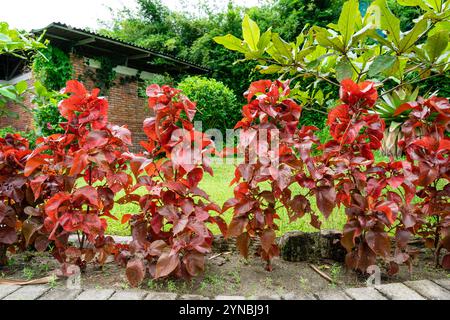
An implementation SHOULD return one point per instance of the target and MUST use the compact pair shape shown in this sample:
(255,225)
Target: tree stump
(298,246)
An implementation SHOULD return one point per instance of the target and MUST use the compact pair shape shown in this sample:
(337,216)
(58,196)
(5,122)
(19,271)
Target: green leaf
(436,44)
(231,42)
(380,65)
(281,51)
(40,89)
(413,3)
(21,87)
(328,40)
(385,20)
(350,15)
(436,5)
(344,70)
(264,41)
(5,38)
(5,92)
(410,38)
(269,69)
(250,32)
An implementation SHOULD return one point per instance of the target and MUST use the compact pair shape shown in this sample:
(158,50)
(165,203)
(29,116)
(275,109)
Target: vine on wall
(53,68)
(104,76)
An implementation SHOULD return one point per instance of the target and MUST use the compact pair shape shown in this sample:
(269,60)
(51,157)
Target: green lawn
(219,189)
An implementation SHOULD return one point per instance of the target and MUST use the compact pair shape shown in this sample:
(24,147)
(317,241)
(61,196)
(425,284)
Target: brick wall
(24,120)
(125,107)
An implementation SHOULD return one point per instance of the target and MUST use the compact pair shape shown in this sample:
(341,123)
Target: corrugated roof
(92,42)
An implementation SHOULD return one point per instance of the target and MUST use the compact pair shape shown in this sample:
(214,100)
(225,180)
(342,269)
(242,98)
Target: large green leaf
(410,38)
(436,5)
(329,40)
(250,32)
(280,50)
(8,93)
(264,41)
(436,44)
(344,70)
(413,3)
(380,65)
(4,38)
(385,20)
(350,15)
(21,87)
(231,42)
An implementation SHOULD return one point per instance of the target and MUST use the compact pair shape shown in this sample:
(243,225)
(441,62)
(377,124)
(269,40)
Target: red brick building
(133,64)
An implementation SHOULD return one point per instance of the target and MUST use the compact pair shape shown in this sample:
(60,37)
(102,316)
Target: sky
(36,14)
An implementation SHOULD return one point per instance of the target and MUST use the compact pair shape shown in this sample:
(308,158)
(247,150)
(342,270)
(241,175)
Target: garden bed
(226,273)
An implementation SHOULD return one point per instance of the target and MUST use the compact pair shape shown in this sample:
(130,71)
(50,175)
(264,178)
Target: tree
(21,45)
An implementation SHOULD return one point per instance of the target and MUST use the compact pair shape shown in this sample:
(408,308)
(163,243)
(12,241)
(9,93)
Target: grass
(219,189)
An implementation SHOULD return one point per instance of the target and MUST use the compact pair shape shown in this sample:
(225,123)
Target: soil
(226,274)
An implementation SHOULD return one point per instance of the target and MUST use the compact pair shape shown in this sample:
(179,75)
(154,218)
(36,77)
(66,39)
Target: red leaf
(80,161)
(267,239)
(8,235)
(379,242)
(86,193)
(236,227)
(402,108)
(194,177)
(352,230)
(230,203)
(166,264)
(257,87)
(95,139)
(243,207)
(76,87)
(41,243)
(36,185)
(126,218)
(53,204)
(326,200)
(32,164)
(242,243)
(194,262)
(135,272)
(180,225)
(446,262)
(72,253)
(29,228)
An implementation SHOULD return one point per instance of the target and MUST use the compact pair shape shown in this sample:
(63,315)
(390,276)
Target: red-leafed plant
(364,187)
(14,192)
(170,235)
(91,150)
(270,139)
(428,150)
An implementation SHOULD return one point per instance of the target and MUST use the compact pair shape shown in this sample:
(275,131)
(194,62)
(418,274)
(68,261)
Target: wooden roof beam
(85,41)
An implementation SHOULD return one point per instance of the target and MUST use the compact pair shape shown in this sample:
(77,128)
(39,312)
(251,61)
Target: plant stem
(3,257)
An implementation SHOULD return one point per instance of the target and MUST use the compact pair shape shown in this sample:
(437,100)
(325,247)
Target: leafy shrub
(428,151)
(377,196)
(90,148)
(313,118)
(31,136)
(14,192)
(47,117)
(274,115)
(53,68)
(170,235)
(217,106)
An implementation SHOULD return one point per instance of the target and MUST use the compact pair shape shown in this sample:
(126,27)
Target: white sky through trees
(35,14)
